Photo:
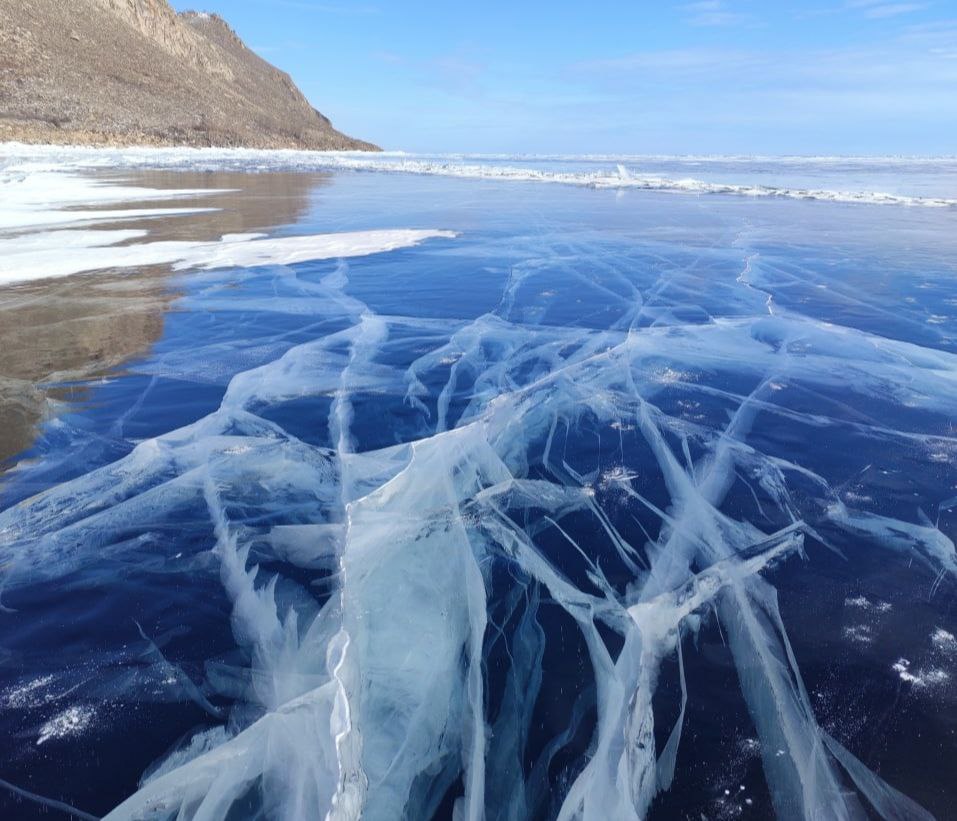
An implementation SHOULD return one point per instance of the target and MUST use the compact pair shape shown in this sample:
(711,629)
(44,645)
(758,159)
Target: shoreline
(776,178)
(94,139)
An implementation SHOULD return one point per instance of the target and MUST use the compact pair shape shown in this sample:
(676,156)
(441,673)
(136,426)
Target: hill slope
(136,72)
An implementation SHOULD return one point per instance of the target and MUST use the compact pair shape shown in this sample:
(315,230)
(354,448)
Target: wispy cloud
(329,8)
(670,65)
(458,72)
(915,72)
(936,28)
(880,10)
(712,13)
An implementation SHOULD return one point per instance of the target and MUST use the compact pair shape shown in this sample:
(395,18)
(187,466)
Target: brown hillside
(135,72)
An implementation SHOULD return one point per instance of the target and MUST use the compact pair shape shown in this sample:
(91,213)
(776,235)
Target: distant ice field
(885,180)
(444,493)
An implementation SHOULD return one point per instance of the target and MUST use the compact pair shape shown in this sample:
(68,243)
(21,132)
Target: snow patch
(863,603)
(74,252)
(37,197)
(71,722)
(919,678)
(860,633)
(41,196)
(28,695)
(944,640)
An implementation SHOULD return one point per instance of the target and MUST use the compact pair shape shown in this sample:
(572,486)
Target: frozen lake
(409,491)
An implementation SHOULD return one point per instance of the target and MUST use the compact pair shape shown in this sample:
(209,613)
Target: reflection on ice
(604,489)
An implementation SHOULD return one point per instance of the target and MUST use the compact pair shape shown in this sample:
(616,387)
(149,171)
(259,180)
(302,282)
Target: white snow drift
(60,253)
(35,199)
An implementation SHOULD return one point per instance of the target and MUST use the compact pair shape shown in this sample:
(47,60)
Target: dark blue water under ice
(617,504)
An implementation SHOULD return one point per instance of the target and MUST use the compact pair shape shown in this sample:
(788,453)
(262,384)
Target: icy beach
(477,487)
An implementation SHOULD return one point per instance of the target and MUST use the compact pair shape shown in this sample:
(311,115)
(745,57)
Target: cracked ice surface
(470,555)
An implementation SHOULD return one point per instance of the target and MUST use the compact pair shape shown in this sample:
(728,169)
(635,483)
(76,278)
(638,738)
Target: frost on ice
(556,480)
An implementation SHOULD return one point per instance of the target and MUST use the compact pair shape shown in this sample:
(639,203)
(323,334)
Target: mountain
(136,72)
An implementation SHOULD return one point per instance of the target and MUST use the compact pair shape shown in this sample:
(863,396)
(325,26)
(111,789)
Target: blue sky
(717,76)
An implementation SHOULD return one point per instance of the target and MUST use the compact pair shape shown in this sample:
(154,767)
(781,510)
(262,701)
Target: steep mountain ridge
(136,72)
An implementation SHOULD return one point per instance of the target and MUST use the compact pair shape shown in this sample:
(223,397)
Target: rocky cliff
(136,72)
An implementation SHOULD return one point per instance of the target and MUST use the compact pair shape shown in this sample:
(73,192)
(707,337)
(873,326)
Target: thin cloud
(712,13)
(328,8)
(880,10)
(452,72)
(677,67)
(907,73)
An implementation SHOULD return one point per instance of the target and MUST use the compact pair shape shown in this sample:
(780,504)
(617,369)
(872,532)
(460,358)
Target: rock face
(136,72)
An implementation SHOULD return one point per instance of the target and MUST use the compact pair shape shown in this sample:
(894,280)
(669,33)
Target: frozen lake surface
(444,491)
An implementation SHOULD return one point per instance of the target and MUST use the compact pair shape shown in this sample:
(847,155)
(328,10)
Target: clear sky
(589,76)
